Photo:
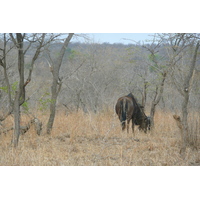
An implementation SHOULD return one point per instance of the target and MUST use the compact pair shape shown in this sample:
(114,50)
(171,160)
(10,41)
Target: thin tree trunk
(54,97)
(16,120)
(185,121)
(20,94)
(21,68)
(144,96)
(157,98)
(8,86)
(4,65)
(56,83)
(6,75)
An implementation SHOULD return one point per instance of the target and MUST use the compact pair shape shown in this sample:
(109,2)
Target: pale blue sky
(125,38)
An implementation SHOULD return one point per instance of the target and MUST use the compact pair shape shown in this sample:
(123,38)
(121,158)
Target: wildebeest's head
(143,121)
(143,124)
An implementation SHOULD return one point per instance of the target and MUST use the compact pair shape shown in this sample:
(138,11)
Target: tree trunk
(4,65)
(16,120)
(144,95)
(152,113)
(20,94)
(185,121)
(54,96)
(186,91)
(21,68)
(157,98)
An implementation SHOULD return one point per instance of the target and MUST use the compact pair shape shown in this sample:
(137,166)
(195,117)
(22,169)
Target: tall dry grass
(96,139)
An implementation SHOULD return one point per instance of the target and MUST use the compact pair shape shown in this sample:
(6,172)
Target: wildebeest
(128,109)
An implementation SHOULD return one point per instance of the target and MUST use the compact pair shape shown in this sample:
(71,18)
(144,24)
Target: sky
(124,38)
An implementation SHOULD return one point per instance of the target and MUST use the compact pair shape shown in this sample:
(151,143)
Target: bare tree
(158,66)
(157,97)
(186,93)
(20,93)
(183,47)
(57,82)
(19,99)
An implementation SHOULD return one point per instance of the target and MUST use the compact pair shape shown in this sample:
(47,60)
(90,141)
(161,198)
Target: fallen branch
(178,121)
(2,118)
(5,130)
(23,129)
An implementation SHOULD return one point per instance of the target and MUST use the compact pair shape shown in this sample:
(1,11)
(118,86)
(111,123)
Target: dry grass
(96,139)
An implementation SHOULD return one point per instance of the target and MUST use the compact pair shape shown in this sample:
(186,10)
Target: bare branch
(13,39)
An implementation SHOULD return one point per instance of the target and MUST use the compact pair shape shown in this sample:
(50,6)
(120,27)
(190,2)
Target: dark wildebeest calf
(128,109)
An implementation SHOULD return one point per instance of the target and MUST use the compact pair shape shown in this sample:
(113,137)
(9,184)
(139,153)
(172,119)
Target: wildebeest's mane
(133,99)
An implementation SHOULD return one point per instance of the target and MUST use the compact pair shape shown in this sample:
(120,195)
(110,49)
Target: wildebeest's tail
(123,113)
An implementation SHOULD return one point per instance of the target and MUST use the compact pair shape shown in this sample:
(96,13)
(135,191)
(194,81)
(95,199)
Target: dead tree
(157,97)
(186,92)
(161,70)
(182,44)
(19,99)
(178,121)
(23,129)
(20,93)
(56,82)
(182,47)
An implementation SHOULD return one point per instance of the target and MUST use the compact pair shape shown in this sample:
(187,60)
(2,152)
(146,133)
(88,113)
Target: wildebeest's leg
(123,125)
(123,113)
(133,127)
(128,121)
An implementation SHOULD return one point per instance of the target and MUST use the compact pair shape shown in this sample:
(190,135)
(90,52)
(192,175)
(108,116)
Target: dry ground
(96,139)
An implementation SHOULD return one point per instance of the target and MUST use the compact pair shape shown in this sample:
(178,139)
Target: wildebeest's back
(124,108)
